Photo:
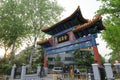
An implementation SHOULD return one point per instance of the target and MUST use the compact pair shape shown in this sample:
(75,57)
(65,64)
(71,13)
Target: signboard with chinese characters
(63,38)
(83,42)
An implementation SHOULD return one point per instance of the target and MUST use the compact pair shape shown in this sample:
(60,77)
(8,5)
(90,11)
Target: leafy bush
(5,68)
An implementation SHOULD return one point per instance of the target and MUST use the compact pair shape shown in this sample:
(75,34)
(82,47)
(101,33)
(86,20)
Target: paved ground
(53,77)
(48,77)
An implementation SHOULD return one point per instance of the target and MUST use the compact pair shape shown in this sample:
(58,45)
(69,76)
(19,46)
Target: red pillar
(55,41)
(96,55)
(71,36)
(45,61)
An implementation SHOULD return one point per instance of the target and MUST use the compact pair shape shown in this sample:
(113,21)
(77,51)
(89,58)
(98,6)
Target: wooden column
(71,36)
(45,60)
(96,55)
(95,50)
(55,41)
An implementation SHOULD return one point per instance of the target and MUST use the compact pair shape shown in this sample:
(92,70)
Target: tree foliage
(5,69)
(111,10)
(83,57)
(58,62)
(40,13)
(21,18)
(12,24)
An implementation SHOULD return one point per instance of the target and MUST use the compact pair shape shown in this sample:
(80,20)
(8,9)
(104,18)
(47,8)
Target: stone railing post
(96,72)
(45,70)
(117,68)
(38,70)
(12,72)
(23,73)
(109,71)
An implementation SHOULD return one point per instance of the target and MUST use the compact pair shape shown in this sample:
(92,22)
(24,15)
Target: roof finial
(78,7)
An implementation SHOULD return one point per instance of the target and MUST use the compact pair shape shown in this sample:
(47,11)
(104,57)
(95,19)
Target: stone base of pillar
(46,71)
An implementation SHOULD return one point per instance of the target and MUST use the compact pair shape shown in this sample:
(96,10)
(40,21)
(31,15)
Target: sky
(88,9)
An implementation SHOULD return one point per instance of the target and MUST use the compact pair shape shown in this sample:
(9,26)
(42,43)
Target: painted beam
(80,40)
(65,31)
(84,42)
(69,48)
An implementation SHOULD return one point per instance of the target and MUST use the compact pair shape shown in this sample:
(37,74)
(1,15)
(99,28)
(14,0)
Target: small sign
(63,38)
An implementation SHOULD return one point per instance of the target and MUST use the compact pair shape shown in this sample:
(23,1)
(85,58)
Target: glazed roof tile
(89,24)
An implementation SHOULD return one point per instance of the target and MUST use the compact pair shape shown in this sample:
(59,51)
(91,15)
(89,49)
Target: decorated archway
(74,32)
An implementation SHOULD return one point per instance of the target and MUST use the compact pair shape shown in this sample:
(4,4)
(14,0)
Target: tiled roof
(43,41)
(65,24)
(77,15)
(88,24)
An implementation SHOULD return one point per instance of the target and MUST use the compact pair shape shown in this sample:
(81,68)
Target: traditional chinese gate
(74,32)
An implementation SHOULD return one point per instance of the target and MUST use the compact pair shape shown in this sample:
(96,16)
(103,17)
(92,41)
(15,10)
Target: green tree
(23,17)
(83,57)
(12,25)
(23,56)
(111,10)
(40,13)
(58,62)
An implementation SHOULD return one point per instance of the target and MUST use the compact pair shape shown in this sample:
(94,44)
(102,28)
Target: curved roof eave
(86,25)
(76,12)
